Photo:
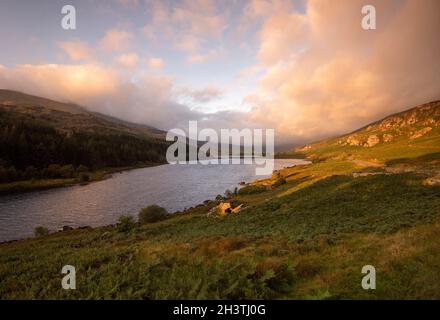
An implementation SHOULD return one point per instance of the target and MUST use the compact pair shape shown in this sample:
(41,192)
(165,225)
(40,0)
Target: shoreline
(26,186)
(107,175)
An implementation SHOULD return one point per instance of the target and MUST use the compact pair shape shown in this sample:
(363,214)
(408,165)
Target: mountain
(45,139)
(70,117)
(408,134)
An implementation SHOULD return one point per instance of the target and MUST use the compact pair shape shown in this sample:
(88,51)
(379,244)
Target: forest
(31,149)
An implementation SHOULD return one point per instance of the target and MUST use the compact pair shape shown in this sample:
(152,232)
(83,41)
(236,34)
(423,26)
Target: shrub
(53,171)
(126,223)
(82,168)
(41,231)
(12,174)
(228,194)
(3,174)
(67,171)
(152,214)
(30,172)
(279,182)
(84,177)
(235,203)
(251,189)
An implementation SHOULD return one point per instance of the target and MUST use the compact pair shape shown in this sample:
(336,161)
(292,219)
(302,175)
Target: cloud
(101,89)
(325,75)
(128,60)
(279,35)
(199,96)
(193,26)
(201,58)
(199,22)
(128,3)
(116,40)
(155,63)
(76,50)
(69,82)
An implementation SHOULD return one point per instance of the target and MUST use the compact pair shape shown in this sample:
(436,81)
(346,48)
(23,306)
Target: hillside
(408,134)
(305,235)
(70,117)
(44,140)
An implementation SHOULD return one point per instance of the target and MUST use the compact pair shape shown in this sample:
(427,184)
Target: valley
(304,233)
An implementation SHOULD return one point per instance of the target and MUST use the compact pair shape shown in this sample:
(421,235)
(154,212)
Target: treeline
(31,149)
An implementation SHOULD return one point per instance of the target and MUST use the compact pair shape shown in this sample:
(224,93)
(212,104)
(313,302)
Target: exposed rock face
(305,148)
(372,141)
(404,126)
(420,133)
(387,137)
(353,141)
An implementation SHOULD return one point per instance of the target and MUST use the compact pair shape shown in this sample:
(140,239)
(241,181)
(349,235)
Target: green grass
(308,244)
(400,147)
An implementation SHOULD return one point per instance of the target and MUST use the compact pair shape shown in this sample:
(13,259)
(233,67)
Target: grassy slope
(306,244)
(306,239)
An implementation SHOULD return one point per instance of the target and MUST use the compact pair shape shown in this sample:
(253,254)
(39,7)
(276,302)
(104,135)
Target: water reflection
(101,203)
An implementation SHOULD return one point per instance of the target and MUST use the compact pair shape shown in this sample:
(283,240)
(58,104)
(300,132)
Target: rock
(223,209)
(276,174)
(387,137)
(420,133)
(433,180)
(372,141)
(242,183)
(412,119)
(237,209)
(353,141)
(65,228)
(305,148)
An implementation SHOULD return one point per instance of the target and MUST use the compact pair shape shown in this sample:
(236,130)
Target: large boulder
(223,209)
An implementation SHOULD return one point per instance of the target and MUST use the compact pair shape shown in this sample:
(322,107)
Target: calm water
(173,187)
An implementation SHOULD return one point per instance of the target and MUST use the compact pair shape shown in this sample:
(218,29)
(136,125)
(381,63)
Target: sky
(305,68)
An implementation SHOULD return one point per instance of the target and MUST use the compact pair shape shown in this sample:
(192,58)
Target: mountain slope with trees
(45,139)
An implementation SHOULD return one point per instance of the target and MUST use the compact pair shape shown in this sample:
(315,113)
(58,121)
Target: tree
(41,231)
(151,214)
(126,223)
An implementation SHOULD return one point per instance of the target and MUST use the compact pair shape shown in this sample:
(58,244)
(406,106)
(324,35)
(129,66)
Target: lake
(174,187)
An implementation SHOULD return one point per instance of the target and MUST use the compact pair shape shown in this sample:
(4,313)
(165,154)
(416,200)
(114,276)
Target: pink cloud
(76,50)
(331,76)
(116,40)
(155,63)
(128,60)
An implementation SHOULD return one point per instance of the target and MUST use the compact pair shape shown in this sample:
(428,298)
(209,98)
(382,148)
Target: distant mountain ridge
(68,116)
